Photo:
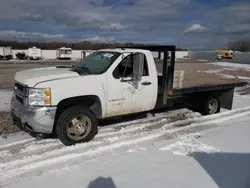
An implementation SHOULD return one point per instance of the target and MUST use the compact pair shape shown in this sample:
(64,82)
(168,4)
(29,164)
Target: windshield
(65,51)
(99,61)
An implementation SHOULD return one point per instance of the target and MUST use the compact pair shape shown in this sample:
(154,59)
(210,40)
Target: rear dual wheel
(77,124)
(210,105)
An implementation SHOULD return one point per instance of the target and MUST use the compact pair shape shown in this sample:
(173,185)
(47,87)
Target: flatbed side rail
(204,88)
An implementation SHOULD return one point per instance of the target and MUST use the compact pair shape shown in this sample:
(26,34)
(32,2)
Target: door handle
(146,83)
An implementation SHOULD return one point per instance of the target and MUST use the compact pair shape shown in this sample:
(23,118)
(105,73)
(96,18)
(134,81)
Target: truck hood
(32,77)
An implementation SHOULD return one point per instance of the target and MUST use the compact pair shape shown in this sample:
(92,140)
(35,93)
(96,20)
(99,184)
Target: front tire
(77,124)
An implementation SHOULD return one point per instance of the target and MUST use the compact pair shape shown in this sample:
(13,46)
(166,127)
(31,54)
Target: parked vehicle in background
(224,54)
(64,53)
(21,55)
(69,101)
(5,53)
(34,53)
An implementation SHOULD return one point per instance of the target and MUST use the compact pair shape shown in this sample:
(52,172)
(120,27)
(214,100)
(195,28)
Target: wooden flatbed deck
(198,74)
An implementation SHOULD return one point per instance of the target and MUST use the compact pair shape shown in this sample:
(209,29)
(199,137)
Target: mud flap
(226,99)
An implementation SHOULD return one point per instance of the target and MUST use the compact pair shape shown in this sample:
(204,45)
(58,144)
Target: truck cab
(69,101)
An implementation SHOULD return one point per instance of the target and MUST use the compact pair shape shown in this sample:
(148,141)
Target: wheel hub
(79,127)
(212,106)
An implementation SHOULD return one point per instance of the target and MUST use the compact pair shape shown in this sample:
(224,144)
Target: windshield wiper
(64,66)
(81,68)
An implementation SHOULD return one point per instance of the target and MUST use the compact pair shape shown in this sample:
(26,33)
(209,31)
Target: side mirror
(83,54)
(138,65)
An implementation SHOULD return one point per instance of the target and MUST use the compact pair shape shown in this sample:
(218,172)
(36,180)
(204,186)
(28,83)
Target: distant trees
(240,45)
(76,46)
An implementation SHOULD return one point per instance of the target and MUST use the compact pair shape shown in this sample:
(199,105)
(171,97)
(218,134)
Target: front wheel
(77,124)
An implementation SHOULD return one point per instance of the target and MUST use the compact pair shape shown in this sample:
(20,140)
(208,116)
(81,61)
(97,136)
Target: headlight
(39,96)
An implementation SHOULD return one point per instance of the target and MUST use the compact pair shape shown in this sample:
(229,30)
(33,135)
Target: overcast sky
(193,24)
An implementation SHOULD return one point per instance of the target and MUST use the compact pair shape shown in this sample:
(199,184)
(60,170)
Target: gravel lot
(6,125)
(196,72)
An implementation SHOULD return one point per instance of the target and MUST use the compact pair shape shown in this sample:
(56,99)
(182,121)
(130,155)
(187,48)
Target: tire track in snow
(18,143)
(108,128)
(104,139)
(145,127)
(76,153)
(121,130)
(158,116)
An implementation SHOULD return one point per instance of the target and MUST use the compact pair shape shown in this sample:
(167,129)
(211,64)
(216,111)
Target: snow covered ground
(191,151)
(5,97)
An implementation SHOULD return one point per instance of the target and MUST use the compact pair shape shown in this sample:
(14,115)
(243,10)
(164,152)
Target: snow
(189,150)
(130,151)
(226,76)
(232,65)
(5,98)
(208,159)
(213,71)
(241,101)
(243,77)
(230,69)
(228,66)
(12,143)
(189,144)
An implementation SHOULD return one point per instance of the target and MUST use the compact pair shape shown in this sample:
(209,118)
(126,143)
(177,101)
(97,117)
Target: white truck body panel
(33,76)
(34,53)
(78,86)
(5,51)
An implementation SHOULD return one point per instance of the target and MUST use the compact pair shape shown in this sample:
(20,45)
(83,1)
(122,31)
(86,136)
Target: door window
(125,68)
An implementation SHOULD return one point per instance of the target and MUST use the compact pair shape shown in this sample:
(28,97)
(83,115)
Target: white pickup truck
(69,101)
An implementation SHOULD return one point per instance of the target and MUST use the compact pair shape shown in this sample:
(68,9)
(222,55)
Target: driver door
(125,94)
(120,90)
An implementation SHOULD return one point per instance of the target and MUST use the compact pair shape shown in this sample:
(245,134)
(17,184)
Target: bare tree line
(240,45)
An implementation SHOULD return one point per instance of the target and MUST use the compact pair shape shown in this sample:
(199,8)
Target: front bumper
(33,119)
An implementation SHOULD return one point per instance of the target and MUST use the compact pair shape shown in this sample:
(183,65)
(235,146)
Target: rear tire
(210,106)
(219,57)
(77,124)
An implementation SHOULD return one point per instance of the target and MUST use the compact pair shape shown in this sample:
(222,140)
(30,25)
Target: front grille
(20,92)
(19,87)
(20,99)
